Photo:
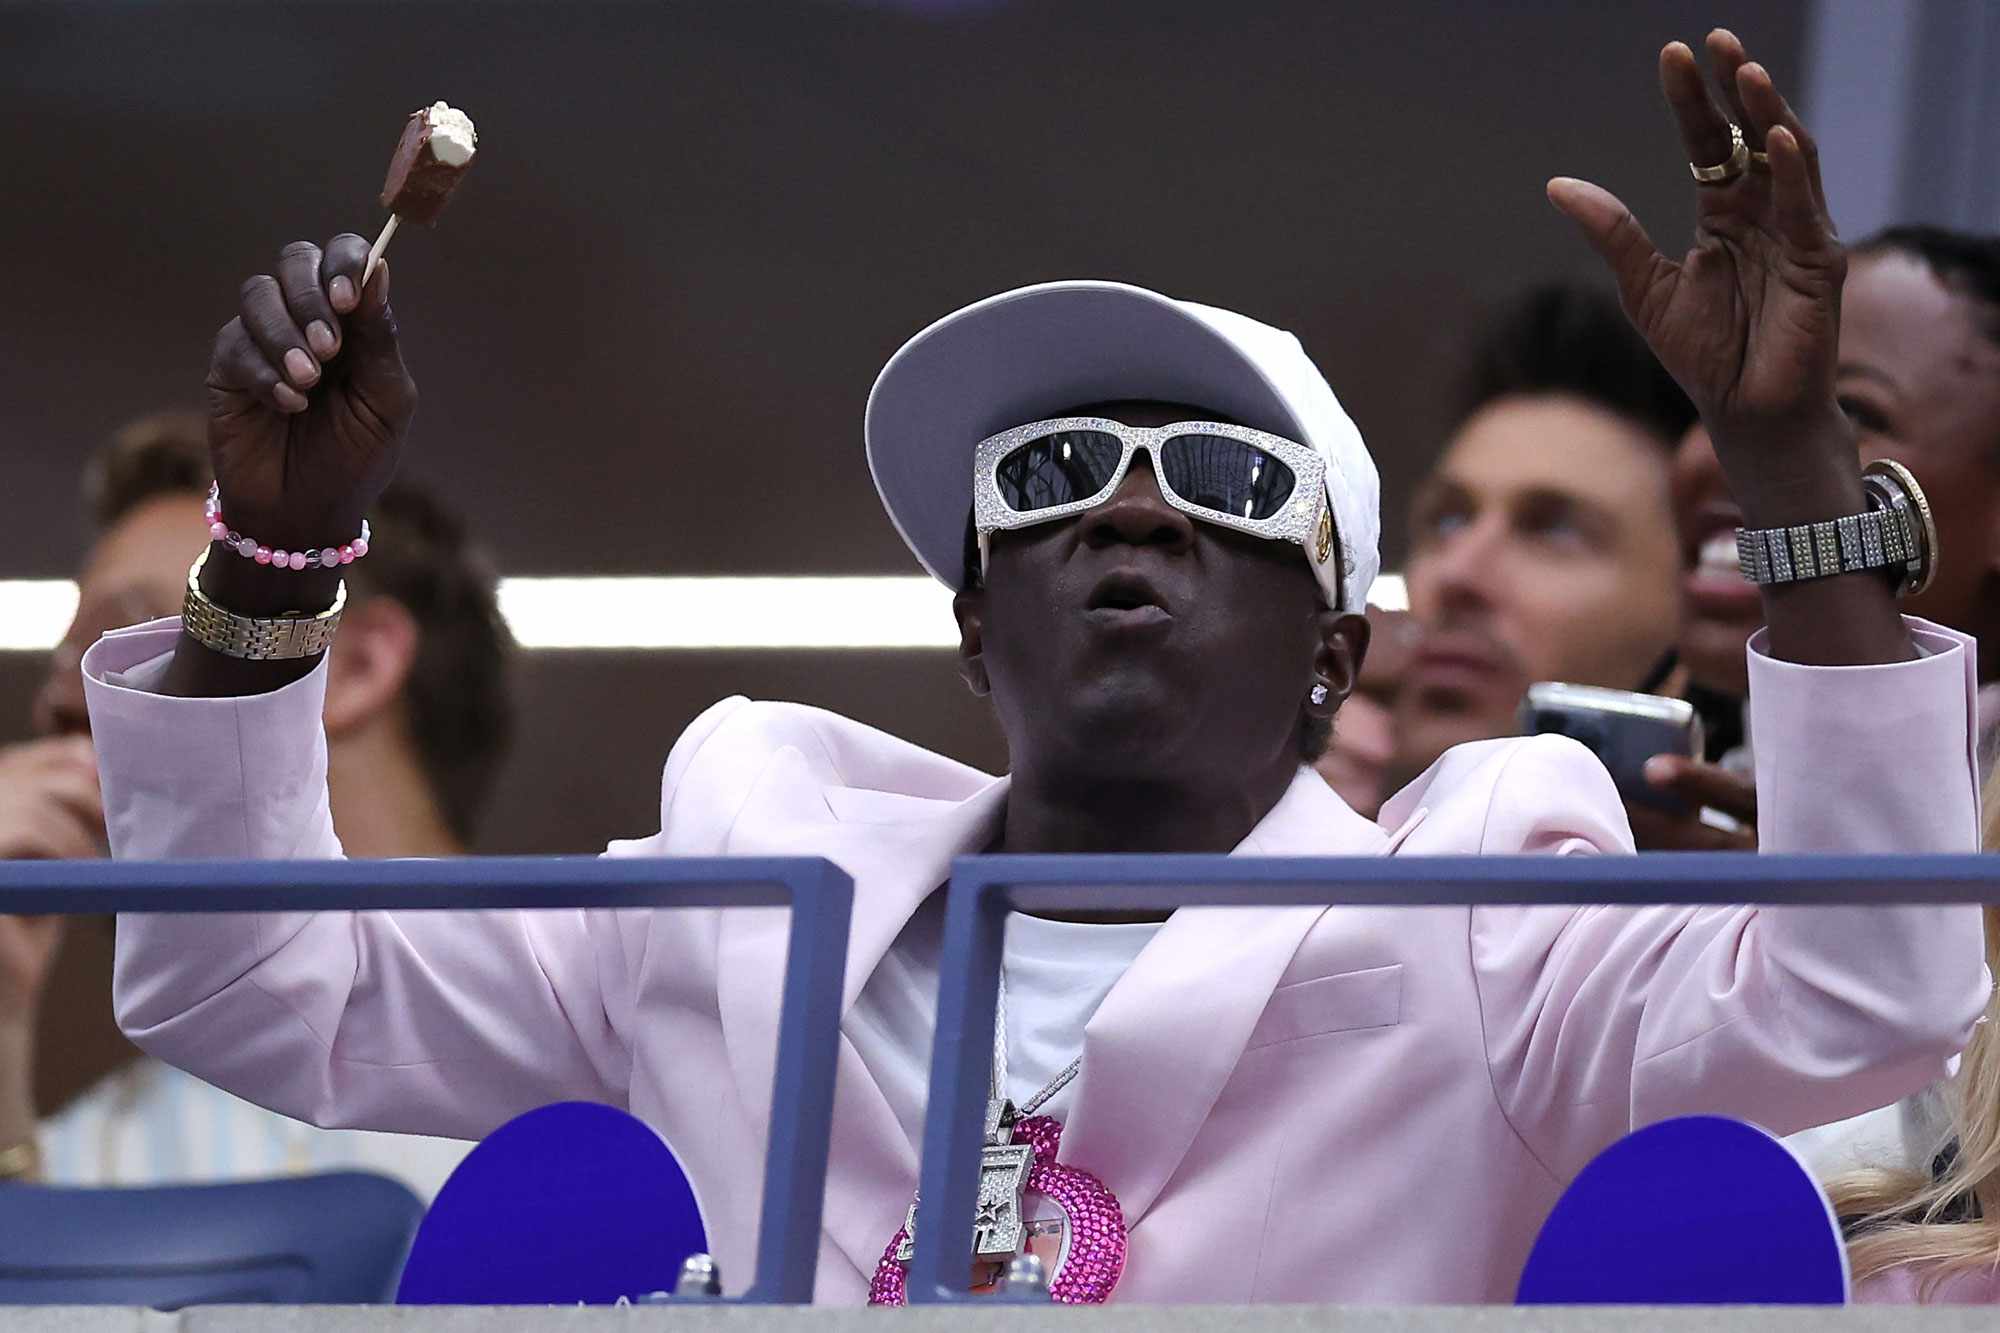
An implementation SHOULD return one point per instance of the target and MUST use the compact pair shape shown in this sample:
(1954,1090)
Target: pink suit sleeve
(1606,1019)
(426,1022)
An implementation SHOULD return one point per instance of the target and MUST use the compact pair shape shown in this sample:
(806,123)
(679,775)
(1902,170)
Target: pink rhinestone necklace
(1020,1155)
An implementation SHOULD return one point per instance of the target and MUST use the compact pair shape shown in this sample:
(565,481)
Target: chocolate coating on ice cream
(435,152)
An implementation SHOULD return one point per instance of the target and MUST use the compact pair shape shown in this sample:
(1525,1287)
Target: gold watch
(257,638)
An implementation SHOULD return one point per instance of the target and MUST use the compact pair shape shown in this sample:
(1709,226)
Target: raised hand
(1748,321)
(308,406)
(308,397)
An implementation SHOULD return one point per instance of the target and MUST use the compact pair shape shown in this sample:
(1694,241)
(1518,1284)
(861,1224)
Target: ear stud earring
(1318,695)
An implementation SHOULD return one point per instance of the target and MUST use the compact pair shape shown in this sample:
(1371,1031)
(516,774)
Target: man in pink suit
(1161,528)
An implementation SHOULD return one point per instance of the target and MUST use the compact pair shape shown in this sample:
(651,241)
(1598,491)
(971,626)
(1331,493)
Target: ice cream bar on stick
(431,158)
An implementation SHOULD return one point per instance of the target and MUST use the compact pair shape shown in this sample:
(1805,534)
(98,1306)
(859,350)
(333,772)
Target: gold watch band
(257,638)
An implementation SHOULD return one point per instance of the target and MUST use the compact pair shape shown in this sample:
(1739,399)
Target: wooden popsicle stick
(381,244)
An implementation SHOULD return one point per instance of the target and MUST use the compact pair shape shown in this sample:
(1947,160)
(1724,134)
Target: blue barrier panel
(819,894)
(1699,1209)
(985,888)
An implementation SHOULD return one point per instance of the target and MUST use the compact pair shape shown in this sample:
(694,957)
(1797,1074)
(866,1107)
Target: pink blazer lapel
(898,850)
(1167,1038)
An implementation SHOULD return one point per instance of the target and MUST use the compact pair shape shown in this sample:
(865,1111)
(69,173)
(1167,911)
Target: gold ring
(1724,172)
(1759,161)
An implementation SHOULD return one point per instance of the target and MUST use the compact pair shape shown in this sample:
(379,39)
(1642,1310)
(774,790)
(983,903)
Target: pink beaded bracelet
(320,557)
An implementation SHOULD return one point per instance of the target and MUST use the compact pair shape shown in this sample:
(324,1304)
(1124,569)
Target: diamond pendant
(1093,1253)
(998,1229)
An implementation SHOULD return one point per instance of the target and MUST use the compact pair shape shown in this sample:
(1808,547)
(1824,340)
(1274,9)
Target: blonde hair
(1899,1217)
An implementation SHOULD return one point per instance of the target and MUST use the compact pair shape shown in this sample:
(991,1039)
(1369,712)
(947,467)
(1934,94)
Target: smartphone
(1621,728)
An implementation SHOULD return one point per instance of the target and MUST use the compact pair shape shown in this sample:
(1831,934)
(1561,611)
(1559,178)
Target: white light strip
(690,613)
(1389,593)
(34,613)
(729,612)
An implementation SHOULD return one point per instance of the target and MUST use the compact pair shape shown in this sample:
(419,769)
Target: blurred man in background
(418,716)
(1542,543)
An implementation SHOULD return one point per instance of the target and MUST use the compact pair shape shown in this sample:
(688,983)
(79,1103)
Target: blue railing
(819,894)
(982,891)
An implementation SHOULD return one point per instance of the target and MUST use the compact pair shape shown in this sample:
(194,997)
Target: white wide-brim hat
(1040,351)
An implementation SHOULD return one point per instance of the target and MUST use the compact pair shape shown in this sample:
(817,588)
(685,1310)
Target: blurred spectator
(1356,763)
(418,716)
(1542,542)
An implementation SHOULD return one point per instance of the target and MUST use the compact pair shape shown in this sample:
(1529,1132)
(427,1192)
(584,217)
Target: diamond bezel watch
(257,638)
(1896,534)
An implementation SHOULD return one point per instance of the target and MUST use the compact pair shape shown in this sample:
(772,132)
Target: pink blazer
(1357,1104)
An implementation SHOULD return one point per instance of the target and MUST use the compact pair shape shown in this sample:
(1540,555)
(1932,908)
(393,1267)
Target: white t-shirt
(1057,974)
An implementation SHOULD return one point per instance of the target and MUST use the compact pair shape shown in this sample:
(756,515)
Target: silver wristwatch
(1896,534)
(257,638)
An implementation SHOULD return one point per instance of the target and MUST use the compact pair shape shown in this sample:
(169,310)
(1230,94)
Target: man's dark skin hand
(1698,785)
(1749,323)
(309,403)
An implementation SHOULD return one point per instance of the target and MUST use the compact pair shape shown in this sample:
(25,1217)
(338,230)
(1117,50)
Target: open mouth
(1126,599)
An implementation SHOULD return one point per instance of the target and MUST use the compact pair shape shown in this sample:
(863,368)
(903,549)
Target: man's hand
(50,809)
(308,406)
(308,397)
(1749,323)
(1699,785)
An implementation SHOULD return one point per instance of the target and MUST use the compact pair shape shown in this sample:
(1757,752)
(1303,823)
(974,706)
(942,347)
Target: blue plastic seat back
(1701,1210)
(566,1204)
(337,1238)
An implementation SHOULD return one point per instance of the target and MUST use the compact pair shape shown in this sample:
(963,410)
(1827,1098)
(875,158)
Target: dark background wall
(646,328)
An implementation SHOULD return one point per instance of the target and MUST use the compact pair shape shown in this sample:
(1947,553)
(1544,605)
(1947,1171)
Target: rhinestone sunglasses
(1227,475)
